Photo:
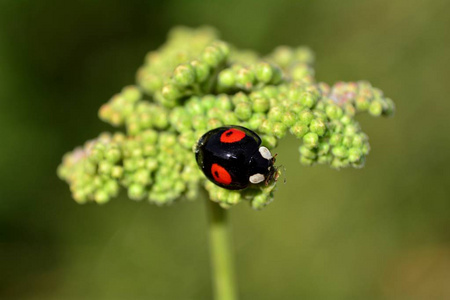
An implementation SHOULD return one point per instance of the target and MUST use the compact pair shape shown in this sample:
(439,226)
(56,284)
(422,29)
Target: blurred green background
(382,232)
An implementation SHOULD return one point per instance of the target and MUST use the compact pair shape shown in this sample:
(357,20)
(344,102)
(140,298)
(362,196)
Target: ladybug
(232,157)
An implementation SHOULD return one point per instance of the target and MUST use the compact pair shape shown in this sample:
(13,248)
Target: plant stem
(222,258)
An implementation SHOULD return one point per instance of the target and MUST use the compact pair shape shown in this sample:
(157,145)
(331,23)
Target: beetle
(232,157)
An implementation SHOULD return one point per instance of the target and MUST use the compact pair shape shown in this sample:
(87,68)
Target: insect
(232,157)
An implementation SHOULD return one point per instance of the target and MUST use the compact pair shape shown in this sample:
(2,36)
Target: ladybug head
(262,167)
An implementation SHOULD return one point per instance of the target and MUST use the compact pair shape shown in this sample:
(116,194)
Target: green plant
(196,82)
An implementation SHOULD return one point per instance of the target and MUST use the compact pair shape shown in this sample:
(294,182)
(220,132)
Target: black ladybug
(232,158)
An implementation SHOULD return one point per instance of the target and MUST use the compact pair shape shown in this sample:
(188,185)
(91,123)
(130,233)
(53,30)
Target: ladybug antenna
(284,172)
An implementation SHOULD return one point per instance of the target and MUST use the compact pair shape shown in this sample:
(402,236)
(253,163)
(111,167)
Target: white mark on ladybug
(257,178)
(265,153)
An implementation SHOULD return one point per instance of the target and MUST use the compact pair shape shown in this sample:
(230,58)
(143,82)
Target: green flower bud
(333,111)
(194,106)
(304,54)
(101,197)
(112,188)
(224,102)
(142,176)
(266,126)
(199,123)
(311,140)
(308,99)
(346,119)
(269,140)
(105,167)
(243,110)
(338,163)
(170,93)
(149,136)
(245,78)
(131,94)
(201,70)
(306,161)
(187,139)
(133,128)
(145,120)
(261,200)
(261,105)
(263,72)
(208,102)
(320,115)
(339,151)
(275,113)
(136,152)
(130,164)
(289,118)
(350,129)
(357,141)
(97,154)
(354,154)
(229,118)
(279,130)
(283,55)
(116,172)
(151,164)
(318,126)
(277,76)
(335,139)
(307,152)
(375,108)
(297,108)
(347,141)
(136,191)
(89,168)
(362,103)
(325,159)
(161,120)
(224,47)
(214,113)
(323,149)
(301,72)
(213,56)
(365,149)
(255,121)
(80,197)
(239,97)
(234,197)
(299,129)
(226,78)
(213,123)
(350,110)
(184,75)
(305,117)
(269,91)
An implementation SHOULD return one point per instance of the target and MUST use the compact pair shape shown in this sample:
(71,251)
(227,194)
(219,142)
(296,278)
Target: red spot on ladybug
(220,174)
(232,135)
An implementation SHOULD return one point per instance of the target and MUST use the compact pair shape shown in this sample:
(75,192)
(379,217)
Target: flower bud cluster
(195,83)
(149,165)
(94,170)
(187,65)
(296,62)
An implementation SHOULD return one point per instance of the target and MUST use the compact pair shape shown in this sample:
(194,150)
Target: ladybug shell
(229,155)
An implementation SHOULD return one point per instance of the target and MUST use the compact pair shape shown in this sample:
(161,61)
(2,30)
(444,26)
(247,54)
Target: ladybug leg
(272,175)
(274,158)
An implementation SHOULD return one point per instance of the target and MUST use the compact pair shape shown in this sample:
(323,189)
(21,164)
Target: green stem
(222,258)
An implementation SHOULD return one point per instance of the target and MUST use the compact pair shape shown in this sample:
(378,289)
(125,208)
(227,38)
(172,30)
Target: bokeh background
(382,232)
